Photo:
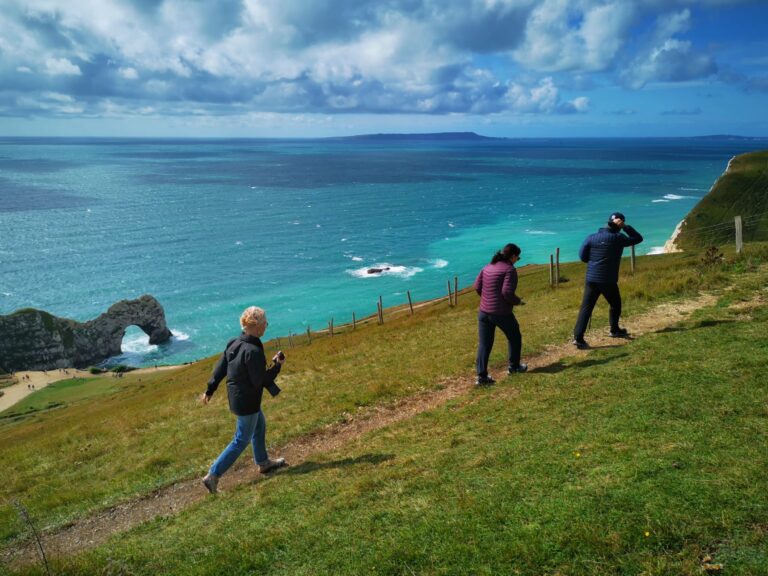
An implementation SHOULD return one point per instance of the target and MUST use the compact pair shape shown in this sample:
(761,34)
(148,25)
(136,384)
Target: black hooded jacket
(245,366)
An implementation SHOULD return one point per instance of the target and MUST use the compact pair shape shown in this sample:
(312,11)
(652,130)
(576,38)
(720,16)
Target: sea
(211,226)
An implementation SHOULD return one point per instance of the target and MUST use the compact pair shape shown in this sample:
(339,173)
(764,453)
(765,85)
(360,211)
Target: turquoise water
(212,226)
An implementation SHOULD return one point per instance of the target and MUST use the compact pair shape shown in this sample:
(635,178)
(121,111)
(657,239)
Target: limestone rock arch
(36,340)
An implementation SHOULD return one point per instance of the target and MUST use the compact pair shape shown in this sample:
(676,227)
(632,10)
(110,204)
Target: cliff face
(36,340)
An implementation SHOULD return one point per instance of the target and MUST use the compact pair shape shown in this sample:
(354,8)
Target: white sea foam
(675,197)
(386,270)
(356,259)
(7,293)
(239,243)
(659,200)
(656,250)
(451,225)
(683,188)
(541,232)
(439,263)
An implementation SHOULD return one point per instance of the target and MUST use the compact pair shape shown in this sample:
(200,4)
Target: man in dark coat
(602,253)
(244,365)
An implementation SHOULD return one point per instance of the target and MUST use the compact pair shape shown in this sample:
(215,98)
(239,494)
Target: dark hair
(612,226)
(506,253)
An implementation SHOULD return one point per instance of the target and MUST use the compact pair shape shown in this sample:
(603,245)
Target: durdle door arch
(36,340)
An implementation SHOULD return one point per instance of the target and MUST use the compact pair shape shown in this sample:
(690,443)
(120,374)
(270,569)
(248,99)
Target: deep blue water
(212,226)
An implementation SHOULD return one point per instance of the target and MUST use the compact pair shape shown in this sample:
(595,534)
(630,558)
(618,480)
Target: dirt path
(96,529)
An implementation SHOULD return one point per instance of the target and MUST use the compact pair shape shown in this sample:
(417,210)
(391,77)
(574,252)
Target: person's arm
(479,283)
(584,250)
(509,287)
(219,373)
(258,373)
(633,236)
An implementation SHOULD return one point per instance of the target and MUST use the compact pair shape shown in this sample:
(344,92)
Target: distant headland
(432,136)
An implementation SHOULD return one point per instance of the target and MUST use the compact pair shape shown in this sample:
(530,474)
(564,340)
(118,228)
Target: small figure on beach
(602,252)
(243,363)
(497,284)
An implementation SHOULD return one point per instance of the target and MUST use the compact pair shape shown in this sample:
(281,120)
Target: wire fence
(715,234)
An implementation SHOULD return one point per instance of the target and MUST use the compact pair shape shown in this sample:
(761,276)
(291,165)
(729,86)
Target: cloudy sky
(336,67)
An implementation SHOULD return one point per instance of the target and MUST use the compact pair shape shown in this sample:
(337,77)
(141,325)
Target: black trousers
(486,329)
(592,291)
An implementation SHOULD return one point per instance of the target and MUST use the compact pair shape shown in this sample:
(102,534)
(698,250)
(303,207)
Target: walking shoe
(485,381)
(620,333)
(270,465)
(581,344)
(519,369)
(211,482)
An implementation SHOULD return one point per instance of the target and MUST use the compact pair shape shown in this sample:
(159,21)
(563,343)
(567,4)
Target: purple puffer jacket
(496,285)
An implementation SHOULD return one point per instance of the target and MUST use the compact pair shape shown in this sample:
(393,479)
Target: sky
(310,68)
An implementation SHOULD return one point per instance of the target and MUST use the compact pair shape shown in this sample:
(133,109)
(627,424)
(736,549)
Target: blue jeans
(486,328)
(251,429)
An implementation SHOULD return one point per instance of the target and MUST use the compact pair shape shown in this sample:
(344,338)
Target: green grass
(59,394)
(743,191)
(641,459)
(408,486)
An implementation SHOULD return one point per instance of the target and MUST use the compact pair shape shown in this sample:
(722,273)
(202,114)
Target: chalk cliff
(36,340)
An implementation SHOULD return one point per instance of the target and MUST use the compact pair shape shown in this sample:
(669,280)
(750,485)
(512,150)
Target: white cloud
(668,59)
(24,69)
(554,43)
(61,67)
(128,73)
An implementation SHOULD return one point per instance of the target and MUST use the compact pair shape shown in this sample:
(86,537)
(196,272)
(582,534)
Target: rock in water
(36,340)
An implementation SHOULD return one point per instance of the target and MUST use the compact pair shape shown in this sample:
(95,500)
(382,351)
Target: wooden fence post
(381,311)
(551,270)
(330,327)
(557,267)
(455,290)
(410,302)
(354,321)
(309,334)
(290,339)
(450,295)
(278,343)
(739,240)
(632,260)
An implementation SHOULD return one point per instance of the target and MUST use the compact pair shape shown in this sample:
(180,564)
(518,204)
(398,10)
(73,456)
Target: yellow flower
(647,533)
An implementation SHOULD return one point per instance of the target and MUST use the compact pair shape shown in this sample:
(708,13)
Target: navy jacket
(602,253)
(245,366)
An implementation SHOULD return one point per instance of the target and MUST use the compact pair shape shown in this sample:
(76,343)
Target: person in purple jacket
(496,283)
(602,253)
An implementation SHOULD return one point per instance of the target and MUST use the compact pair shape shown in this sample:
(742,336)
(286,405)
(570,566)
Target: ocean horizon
(210,226)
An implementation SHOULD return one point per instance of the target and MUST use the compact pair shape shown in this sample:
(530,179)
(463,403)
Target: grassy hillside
(640,459)
(741,191)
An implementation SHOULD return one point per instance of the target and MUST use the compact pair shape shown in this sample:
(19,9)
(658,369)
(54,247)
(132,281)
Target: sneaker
(485,381)
(581,344)
(211,482)
(620,333)
(270,465)
(519,369)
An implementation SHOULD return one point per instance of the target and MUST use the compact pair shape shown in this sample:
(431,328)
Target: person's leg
(260,455)
(243,435)
(613,296)
(511,328)
(485,335)
(588,301)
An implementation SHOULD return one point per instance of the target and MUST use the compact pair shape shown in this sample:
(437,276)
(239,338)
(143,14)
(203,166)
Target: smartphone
(280,355)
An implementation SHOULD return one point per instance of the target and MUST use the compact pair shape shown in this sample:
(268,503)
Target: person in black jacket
(602,253)
(244,365)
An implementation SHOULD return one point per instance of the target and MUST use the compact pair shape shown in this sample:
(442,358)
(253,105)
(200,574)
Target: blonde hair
(253,316)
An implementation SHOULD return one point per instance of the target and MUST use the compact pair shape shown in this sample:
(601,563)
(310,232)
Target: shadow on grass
(561,366)
(695,326)
(309,467)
